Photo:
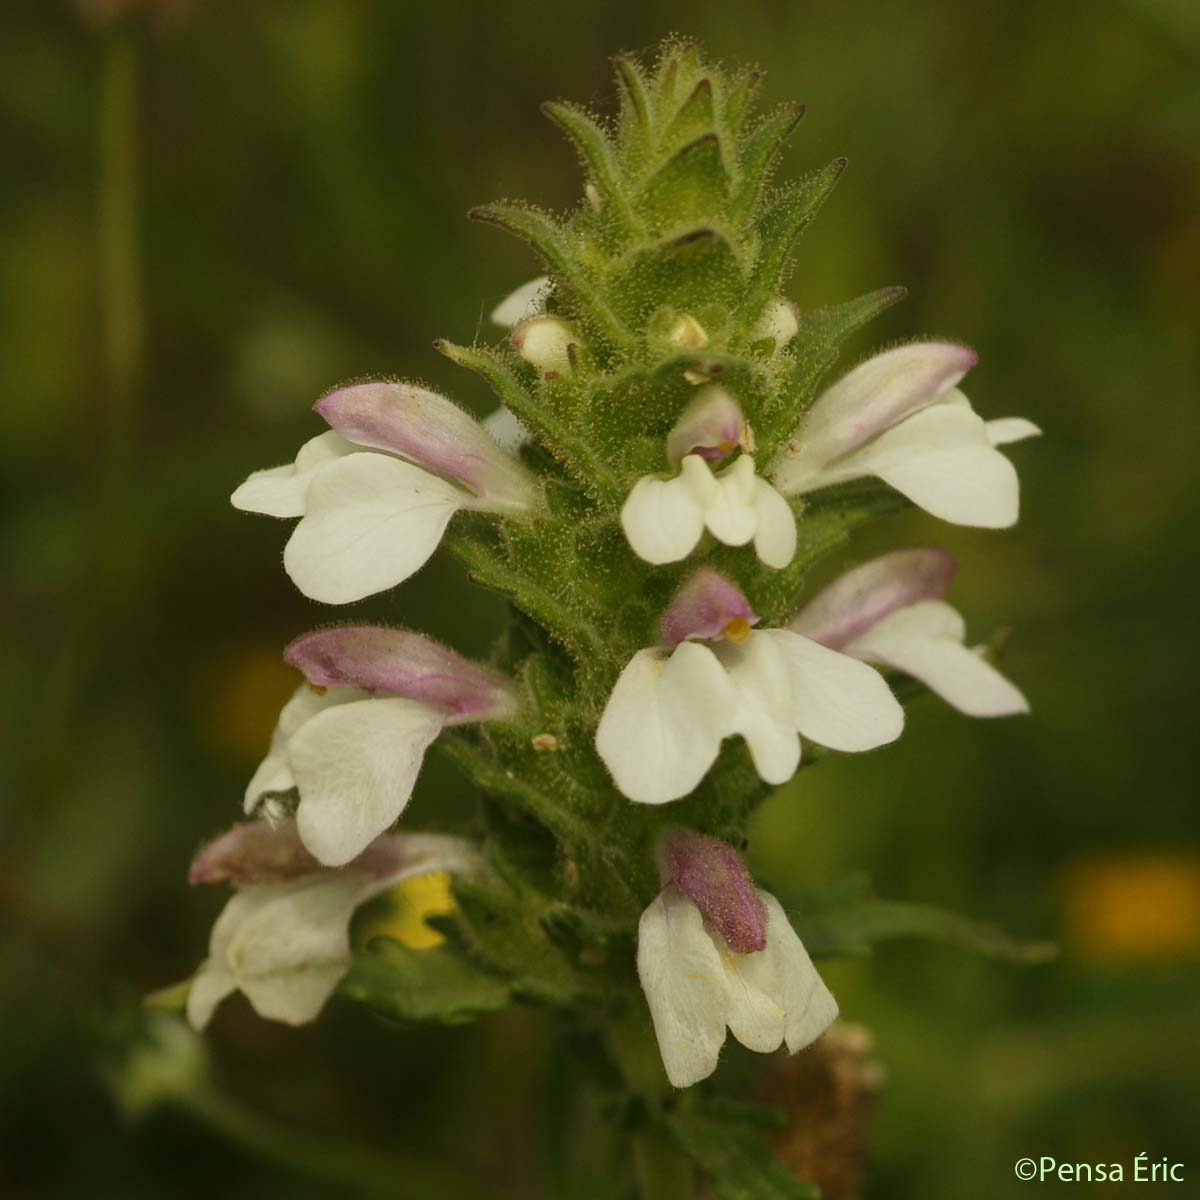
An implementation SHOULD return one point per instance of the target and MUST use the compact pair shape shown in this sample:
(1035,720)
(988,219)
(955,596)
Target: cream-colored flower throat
(674,449)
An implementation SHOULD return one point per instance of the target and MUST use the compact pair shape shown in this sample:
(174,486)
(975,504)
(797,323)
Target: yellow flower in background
(236,700)
(404,909)
(1133,908)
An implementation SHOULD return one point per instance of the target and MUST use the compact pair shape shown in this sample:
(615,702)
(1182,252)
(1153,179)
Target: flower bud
(546,343)
(711,426)
(708,606)
(779,320)
(713,876)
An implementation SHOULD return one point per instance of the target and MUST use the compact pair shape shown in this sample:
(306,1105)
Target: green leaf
(435,984)
(689,55)
(823,330)
(505,928)
(695,117)
(666,79)
(815,348)
(635,106)
(597,154)
(846,920)
(759,152)
(572,450)
(779,227)
(739,96)
(691,185)
(551,242)
(685,272)
(734,1156)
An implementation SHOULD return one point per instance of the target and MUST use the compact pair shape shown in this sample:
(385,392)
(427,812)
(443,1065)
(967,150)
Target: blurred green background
(1028,170)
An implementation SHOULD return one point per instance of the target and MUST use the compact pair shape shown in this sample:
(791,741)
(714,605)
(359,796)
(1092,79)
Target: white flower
(696,987)
(527,301)
(370,518)
(280,491)
(354,755)
(283,938)
(672,705)
(900,417)
(354,760)
(663,519)
(889,611)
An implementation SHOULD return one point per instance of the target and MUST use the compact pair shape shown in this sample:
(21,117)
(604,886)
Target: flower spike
(635,502)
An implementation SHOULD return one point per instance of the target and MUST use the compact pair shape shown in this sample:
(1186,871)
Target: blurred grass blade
(846,920)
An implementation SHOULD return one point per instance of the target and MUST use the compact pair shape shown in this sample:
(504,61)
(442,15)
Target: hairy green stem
(580,637)
(575,451)
(485,773)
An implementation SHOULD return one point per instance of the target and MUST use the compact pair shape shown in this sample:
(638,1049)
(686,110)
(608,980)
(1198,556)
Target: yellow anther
(738,630)
(314,687)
